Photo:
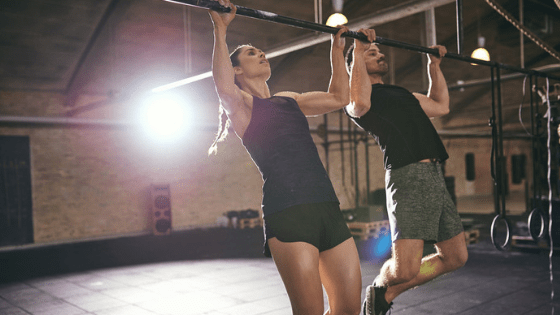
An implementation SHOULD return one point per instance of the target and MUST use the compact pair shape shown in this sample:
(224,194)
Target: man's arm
(436,103)
(360,85)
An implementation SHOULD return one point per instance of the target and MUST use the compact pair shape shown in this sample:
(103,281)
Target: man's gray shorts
(419,205)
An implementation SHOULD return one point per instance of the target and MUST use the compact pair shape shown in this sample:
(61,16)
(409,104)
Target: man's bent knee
(455,260)
(405,273)
(460,259)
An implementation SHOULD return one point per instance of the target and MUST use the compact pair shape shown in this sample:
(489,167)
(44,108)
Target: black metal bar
(500,193)
(537,204)
(326,142)
(493,156)
(351,151)
(366,143)
(343,173)
(356,177)
(533,142)
(501,159)
(533,133)
(459,10)
(273,17)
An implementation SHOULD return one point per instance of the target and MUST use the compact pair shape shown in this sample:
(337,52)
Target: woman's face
(253,63)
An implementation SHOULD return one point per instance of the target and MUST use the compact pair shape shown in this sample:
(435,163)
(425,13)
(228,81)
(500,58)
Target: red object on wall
(161,209)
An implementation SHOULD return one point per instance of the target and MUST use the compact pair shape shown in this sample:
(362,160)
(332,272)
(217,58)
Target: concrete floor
(516,281)
(492,282)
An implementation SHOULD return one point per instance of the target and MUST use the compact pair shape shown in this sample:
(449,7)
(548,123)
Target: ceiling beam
(71,89)
(461,106)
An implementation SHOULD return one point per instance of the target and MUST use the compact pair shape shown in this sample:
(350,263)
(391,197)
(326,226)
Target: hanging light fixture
(481,52)
(337,18)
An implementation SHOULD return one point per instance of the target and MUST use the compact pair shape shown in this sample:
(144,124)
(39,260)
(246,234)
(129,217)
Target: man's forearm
(339,80)
(438,90)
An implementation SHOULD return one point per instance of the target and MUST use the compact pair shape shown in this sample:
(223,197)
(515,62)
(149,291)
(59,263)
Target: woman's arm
(317,103)
(236,102)
(222,70)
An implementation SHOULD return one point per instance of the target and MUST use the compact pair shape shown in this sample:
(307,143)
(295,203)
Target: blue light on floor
(382,245)
(377,249)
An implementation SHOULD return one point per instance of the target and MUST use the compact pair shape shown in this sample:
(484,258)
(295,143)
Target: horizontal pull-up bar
(273,17)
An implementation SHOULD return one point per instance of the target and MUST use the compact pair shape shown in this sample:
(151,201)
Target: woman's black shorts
(319,224)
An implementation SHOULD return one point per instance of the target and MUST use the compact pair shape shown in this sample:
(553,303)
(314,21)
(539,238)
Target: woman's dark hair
(234,56)
(224,126)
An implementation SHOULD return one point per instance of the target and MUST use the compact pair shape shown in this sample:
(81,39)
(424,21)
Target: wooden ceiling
(125,47)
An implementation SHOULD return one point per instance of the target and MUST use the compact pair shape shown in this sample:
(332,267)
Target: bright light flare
(164,117)
(481,53)
(336,19)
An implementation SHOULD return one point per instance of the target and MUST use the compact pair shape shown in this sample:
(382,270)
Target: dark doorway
(16,221)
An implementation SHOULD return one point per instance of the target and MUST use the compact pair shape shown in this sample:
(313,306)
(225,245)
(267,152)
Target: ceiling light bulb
(336,19)
(480,53)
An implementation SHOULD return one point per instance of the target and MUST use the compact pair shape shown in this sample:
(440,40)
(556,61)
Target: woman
(305,231)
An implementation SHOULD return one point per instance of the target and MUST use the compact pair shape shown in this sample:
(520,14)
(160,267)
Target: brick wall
(94,182)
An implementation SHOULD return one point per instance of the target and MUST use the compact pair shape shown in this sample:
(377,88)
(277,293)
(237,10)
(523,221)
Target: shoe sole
(370,296)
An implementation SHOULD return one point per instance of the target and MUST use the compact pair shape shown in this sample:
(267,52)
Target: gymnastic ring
(536,237)
(505,246)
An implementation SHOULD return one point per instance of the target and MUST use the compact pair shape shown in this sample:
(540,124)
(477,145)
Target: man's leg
(451,255)
(404,264)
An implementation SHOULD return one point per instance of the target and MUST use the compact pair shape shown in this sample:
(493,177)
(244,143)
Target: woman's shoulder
(289,94)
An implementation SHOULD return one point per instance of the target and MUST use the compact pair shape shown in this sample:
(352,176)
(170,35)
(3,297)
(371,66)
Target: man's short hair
(349,57)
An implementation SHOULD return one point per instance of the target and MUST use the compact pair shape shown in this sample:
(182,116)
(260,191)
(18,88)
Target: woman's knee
(353,308)
(307,309)
(346,308)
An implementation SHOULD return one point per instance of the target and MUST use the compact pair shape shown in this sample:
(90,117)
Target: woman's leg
(342,278)
(298,265)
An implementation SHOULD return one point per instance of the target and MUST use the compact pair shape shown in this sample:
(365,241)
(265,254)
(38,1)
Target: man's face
(375,61)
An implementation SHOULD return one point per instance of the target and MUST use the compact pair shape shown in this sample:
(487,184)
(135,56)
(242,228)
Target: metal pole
(521,36)
(366,143)
(429,39)
(493,161)
(326,142)
(459,10)
(384,16)
(356,177)
(273,17)
(501,160)
(343,173)
(533,143)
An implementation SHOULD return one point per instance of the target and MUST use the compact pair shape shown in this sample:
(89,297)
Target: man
(419,206)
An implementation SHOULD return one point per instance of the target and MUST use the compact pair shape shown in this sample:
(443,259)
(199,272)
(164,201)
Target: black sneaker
(375,303)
